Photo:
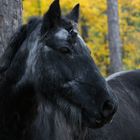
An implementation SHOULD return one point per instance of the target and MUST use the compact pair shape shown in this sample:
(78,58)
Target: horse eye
(64,50)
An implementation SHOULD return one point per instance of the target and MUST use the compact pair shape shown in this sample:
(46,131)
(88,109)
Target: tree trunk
(10,20)
(115,45)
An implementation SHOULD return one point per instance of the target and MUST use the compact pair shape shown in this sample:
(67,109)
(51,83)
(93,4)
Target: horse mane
(16,41)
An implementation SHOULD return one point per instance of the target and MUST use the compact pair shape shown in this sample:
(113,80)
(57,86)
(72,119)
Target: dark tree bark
(10,20)
(115,45)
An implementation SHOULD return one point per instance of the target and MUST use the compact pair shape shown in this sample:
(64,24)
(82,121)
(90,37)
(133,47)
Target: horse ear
(74,14)
(52,16)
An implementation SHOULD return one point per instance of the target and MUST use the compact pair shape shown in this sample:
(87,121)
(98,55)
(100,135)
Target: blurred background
(111,28)
(94,28)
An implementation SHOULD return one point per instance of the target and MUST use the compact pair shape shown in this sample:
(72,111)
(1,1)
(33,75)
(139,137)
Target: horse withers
(50,87)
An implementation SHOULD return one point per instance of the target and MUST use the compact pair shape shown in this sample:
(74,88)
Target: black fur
(74,14)
(126,122)
(50,87)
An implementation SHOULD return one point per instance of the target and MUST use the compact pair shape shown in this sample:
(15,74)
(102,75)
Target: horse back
(126,122)
(126,86)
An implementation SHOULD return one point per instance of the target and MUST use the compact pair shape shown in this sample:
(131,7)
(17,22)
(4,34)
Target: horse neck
(34,119)
(51,124)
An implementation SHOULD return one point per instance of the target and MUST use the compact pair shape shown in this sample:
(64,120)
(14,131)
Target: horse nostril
(108,109)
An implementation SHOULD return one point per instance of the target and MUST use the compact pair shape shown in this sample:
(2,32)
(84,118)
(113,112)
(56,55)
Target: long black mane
(14,103)
(16,41)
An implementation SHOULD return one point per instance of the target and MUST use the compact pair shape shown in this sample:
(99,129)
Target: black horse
(126,123)
(50,87)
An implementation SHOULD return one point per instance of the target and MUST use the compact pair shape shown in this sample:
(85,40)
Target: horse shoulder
(126,122)
(126,81)
(126,86)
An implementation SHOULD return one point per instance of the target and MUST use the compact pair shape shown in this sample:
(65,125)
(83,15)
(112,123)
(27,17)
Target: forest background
(94,28)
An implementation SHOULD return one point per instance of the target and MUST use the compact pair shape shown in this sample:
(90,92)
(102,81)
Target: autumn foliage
(93,27)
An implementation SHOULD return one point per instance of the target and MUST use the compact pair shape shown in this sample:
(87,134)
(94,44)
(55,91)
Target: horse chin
(94,123)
